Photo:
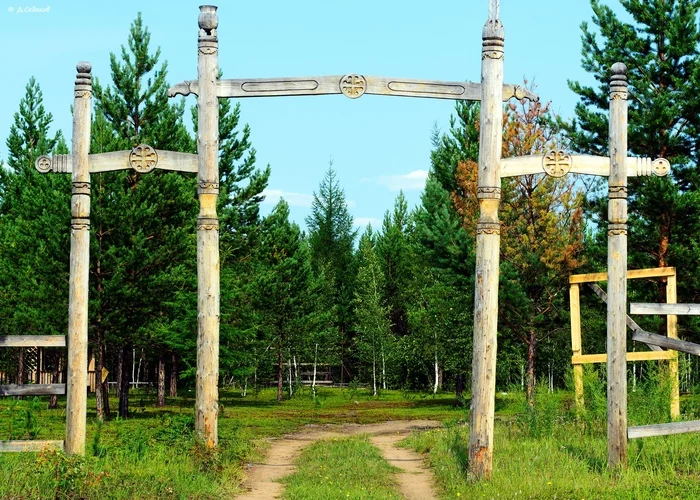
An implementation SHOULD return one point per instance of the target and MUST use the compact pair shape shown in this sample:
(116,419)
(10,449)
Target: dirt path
(414,482)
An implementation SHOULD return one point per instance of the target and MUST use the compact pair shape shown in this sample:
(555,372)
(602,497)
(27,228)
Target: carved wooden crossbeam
(558,163)
(352,86)
(143,158)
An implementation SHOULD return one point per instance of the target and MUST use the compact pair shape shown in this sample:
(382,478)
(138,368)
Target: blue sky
(378,144)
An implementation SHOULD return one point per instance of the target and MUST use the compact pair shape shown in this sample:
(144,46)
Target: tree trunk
(460,382)
(313,381)
(125,381)
(104,385)
(173,376)
(120,371)
(100,396)
(531,382)
(280,372)
(374,374)
(383,370)
(437,374)
(290,377)
(53,399)
(161,381)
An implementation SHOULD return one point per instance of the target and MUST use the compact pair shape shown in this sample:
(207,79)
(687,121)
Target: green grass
(342,468)
(153,454)
(550,453)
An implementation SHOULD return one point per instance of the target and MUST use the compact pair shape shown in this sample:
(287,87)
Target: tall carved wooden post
(487,250)
(617,270)
(76,389)
(206,404)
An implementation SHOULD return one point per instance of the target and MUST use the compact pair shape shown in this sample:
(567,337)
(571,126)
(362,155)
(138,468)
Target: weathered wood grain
(666,342)
(657,272)
(672,333)
(481,422)
(332,84)
(617,270)
(208,288)
(585,164)
(32,341)
(585,359)
(575,305)
(32,389)
(642,431)
(76,387)
(663,309)
(19,446)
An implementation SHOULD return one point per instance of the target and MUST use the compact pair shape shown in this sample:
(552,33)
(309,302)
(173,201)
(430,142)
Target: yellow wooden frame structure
(578,359)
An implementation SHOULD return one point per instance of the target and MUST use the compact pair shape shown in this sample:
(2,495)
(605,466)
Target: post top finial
(619,68)
(494,9)
(208,20)
(83,67)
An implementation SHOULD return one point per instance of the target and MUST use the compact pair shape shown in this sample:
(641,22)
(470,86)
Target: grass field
(551,453)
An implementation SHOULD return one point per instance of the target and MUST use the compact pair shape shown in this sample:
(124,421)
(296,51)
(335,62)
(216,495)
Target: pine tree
(34,229)
(144,224)
(331,238)
(397,261)
(660,48)
(372,315)
(282,285)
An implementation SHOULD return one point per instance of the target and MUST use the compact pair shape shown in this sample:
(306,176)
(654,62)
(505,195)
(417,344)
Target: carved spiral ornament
(353,86)
(143,158)
(556,163)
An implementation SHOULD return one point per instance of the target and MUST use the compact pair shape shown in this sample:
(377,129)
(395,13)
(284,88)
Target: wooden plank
(166,160)
(32,340)
(657,272)
(668,343)
(330,85)
(584,164)
(32,389)
(642,431)
(29,446)
(663,309)
(585,359)
(672,333)
(630,322)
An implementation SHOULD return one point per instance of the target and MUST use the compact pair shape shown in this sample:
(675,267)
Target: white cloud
(363,221)
(272,196)
(408,182)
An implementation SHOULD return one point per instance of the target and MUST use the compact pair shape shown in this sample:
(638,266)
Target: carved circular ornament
(353,86)
(143,158)
(43,164)
(660,167)
(556,163)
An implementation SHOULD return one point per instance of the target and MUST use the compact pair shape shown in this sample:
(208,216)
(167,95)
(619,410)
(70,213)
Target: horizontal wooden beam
(351,85)
(642,431)
(664,309)
(657,272)
(24,446)
(122,160)
(580,164)
(32,390)
(667,342)
(32,340)
(584,359)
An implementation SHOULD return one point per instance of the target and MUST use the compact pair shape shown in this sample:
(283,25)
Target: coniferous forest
(387,307)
